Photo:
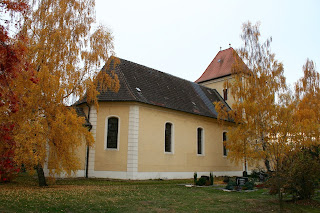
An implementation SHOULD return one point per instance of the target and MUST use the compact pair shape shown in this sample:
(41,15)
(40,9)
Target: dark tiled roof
(221,65)
(146,85)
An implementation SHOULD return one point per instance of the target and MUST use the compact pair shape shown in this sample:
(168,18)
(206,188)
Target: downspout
(87,159)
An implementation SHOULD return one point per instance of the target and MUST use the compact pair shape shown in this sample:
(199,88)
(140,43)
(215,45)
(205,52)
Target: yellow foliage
(270,122)
(66,59)
(254,88)
(307,116)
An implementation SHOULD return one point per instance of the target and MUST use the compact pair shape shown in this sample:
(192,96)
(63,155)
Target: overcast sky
(181,37)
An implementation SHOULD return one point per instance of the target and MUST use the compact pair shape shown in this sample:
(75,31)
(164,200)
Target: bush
(298,174)
(226,179)
(8,168)
(259,174)
(231,185)
(201,182)
(260,186)
(248,185)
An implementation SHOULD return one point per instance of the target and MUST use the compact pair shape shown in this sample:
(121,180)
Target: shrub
(231,185)
(201,182)
(226,179)
(260,186)
(248,185)
(298,174)
(8,168)
(259,174)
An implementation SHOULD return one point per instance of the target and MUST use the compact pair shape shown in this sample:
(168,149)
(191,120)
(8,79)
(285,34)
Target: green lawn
(100,195)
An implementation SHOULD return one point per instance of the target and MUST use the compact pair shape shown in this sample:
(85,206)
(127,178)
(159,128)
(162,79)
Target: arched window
(200,141)
(112,133)
(168,138)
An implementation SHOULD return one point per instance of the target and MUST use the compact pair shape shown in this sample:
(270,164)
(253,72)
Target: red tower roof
(220,66)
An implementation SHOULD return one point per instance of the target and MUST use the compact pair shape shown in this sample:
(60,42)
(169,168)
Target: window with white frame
(112,133)
(168,138)
(200,141)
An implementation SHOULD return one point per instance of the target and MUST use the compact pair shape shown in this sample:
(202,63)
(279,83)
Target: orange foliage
(254,89)
(270,121)
(63,58)
(307,116)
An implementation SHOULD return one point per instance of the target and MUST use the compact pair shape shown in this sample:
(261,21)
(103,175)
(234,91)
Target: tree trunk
(264,148)
(41,177)
(267,164)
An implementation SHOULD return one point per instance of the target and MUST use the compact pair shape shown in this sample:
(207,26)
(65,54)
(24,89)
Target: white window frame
(172,138)
(202,141)
(106,133)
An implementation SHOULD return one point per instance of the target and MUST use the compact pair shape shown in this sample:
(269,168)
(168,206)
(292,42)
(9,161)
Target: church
(159,126)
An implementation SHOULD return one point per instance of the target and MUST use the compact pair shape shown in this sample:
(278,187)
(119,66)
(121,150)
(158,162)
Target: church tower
(220,71)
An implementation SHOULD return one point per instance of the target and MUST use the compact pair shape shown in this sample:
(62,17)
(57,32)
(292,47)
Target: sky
(181,37)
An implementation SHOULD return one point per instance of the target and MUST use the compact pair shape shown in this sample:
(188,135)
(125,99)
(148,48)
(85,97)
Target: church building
(160,126)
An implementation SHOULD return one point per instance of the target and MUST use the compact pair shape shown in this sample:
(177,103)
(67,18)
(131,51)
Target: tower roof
(220,66)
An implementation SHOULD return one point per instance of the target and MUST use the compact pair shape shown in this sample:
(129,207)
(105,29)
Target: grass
(101,195)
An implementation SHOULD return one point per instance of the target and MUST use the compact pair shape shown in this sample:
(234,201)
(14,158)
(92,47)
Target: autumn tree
(302,169)
(13,68)
(297,172)
(66,57)
(307,117)
(255,89)
(271,122)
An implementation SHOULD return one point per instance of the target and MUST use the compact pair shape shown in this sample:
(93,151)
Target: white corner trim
(133,139)
(93,120)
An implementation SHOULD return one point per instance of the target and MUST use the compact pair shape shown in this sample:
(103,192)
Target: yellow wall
(112,160)
(152,157)
(81,153)
(218,84)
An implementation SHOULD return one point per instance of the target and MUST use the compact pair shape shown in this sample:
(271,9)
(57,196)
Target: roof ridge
(153,69)
(212,89)
(225,49)
(147,85)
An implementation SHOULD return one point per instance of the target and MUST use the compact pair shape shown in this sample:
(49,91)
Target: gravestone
(241,180)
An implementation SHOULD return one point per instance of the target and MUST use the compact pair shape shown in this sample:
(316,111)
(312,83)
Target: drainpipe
(87,159)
